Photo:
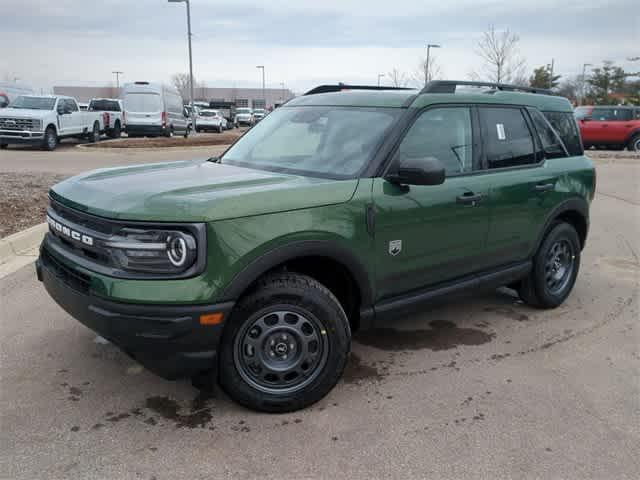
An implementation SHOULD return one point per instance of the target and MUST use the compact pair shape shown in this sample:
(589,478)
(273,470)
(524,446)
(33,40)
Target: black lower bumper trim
(166,339)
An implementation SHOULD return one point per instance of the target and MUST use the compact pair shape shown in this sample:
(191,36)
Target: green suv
(332,214)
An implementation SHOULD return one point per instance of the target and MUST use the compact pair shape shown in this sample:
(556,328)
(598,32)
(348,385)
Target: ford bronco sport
(612,127)
(335,211)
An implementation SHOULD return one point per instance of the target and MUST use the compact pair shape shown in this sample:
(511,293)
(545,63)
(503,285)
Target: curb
(20,249)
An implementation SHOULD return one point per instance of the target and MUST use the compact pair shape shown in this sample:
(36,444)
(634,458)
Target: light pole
(117,73)
(427,65)
(584,80)
(264,99)
(380,75)
(282,96)
(193,113)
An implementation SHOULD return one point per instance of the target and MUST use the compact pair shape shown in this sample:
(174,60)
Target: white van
(152,110)
(9,91)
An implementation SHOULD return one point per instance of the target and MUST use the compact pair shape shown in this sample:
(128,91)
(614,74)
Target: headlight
(153,251)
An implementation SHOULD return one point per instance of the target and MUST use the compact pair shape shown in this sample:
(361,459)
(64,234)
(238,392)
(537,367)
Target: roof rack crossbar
(449,86)
(342,86)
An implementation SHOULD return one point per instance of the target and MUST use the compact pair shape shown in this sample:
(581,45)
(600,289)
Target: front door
(426,235)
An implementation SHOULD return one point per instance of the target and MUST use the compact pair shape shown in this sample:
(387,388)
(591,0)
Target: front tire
(50,141)
(555,268)
(285,346)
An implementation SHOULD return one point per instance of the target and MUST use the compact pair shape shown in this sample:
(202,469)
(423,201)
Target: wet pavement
(475,386)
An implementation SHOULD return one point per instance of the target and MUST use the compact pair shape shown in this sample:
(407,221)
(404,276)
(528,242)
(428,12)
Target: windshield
(335,142)
(243,110)
(34,103)
(258,110)
(207,113)
(142,102)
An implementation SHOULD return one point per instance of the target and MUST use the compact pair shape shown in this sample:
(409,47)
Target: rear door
(143,108)
(521,185)
(429,234)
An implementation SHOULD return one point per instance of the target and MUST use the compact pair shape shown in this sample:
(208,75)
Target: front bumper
(20,136)
(167,339)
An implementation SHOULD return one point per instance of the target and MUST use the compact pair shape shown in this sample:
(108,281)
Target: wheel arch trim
(578,205)
(299,249)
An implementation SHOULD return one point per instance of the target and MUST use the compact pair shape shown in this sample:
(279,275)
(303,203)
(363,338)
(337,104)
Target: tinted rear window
(104,105)
(565,125)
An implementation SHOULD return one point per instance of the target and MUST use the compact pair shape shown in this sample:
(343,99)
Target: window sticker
(500,129)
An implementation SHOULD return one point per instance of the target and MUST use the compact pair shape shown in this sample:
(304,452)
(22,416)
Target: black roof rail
(342,86)
(449,86)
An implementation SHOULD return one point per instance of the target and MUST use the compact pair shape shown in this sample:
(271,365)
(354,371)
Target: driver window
(71,105)
(443,133)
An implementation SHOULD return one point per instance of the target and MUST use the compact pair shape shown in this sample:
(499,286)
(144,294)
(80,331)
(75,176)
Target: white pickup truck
(45,119)
(113,116)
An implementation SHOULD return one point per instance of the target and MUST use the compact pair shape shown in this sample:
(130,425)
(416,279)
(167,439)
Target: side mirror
(418,171)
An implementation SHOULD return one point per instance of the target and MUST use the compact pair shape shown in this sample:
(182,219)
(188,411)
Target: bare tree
(398,78)
(181,82)
(435,71)
(501,58)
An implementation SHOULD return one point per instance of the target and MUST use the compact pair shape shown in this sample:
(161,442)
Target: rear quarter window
(564,123)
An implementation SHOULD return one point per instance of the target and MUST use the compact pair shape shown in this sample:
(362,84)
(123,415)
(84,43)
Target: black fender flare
(633,133)
(577,204)
(303,248)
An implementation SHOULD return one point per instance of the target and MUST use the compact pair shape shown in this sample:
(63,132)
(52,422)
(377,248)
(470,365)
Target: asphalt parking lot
(478,386)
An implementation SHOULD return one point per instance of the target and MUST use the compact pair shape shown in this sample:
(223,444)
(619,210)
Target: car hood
(24,113)
(195,191)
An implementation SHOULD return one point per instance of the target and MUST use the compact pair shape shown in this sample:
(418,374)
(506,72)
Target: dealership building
(242,97)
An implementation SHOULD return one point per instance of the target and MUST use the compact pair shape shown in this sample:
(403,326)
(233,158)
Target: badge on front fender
(395,247)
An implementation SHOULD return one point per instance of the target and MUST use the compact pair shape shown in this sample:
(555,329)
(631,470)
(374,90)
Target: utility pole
(193,112)
(551,71)
(264,98)
(380,75)
(282,95)
(117,73)
(426,66)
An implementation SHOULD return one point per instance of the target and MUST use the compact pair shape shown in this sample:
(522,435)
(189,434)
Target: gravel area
(23,199)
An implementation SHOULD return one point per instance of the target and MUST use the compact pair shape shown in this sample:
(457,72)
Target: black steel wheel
(281,351)
(285,345)
(555,268)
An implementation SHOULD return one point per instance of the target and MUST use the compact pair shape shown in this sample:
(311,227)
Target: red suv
(613,127)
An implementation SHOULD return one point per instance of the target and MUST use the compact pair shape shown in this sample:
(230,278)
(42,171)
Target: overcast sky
(301,43)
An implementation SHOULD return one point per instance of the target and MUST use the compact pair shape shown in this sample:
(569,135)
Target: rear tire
(285,345)
(634,143)
(116,132)
(50,141)
(555,268)
(94,136)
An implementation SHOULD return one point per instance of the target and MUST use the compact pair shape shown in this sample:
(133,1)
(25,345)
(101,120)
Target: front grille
(85,220)
(73,279)
(10,123)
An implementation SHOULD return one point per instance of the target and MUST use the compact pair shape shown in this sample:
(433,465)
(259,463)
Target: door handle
(469,198)
(543,187)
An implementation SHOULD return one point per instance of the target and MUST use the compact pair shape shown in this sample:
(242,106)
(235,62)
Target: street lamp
(427,65)
(584,73)
(264,99)
(193,113)
(380,75)
(117,73)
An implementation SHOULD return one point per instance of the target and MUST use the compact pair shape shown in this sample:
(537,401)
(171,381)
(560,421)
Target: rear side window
(507,138)
(564,124)
(443,133)
(552,146)
(611,114)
